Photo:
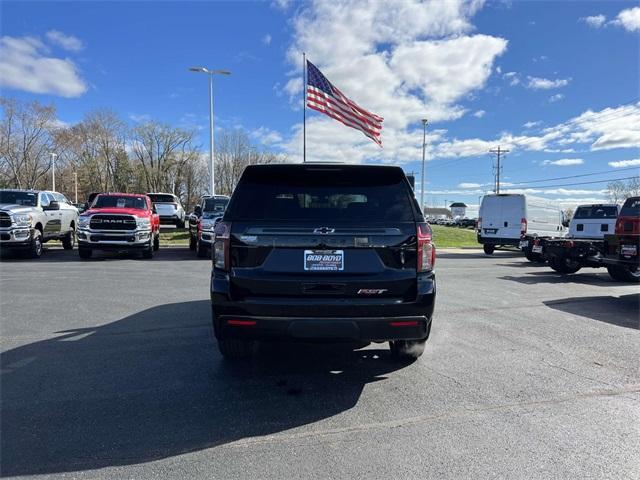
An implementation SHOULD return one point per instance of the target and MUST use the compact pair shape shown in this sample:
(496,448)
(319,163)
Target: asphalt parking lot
(109,371)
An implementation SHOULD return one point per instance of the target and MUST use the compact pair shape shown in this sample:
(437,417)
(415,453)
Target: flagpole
(304,108)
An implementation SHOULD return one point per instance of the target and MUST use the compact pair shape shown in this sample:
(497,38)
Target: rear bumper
(498,241)
(322,318)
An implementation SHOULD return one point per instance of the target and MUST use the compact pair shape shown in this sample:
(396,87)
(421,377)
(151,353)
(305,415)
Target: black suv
(323,252)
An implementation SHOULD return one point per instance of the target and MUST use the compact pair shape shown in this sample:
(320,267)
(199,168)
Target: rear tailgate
(341,232)
(347,261)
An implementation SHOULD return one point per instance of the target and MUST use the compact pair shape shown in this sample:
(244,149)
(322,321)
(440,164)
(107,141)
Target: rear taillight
(426,249)
(222,246)
(627,225)
(523,226)
(479,224)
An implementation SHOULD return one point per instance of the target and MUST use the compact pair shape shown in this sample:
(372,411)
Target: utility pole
(424,140)
(498,152)
(53,170)
(75,184)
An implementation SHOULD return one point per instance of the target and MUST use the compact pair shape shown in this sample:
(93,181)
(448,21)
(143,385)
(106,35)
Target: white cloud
(537,83)
(25,65)
(512,77)
(628,19)
(140,117)
(68,42)
(625,163)
(266,136)
(418,59)
(564,162)
(595,21)
(532,124)
(469,185)
(479,114)
(556,98)
(266,39)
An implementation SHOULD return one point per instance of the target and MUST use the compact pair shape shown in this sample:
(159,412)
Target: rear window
(583,213)
(331,194)
(162,198)
(117,201)
(631,208)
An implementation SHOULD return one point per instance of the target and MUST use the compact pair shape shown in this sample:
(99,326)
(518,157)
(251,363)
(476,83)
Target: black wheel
(407,350)
(156,243)
(564,266)
(35,248)
(85,252)
(148,250)
(202,250)
(193,242)
(180,224)
(235,348)
(624,274)
(69,240)
(488,249)
(534,257)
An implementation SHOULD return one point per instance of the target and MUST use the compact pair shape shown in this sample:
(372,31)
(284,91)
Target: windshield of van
(583,213)
(331,195)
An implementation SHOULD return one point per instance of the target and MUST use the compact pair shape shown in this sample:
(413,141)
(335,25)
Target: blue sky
(557,83)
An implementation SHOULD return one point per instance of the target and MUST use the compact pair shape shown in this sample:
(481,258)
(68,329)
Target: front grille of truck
(5,220)
(113,222)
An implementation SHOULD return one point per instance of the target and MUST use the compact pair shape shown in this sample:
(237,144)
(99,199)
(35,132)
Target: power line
(577,183)
(604,172)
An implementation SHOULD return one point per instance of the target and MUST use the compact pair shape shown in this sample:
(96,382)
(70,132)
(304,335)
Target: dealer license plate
(628,250)
(324,260)
(490,230)
(536,249)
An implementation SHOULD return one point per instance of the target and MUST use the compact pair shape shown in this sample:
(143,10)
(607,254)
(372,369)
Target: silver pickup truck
(30,218)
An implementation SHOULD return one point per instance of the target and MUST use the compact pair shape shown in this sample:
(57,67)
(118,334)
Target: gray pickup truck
(30,218)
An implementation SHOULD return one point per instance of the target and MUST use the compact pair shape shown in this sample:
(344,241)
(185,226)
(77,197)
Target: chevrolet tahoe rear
(323,252)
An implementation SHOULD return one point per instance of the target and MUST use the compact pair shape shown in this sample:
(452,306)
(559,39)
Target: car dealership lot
(109,370)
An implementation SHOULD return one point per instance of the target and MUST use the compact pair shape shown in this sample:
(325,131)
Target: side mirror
(197,211)
(53,205)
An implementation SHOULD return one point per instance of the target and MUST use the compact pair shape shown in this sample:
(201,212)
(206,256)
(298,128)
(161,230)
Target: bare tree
(25,142)
(234,152)
(618,191)
(162,151)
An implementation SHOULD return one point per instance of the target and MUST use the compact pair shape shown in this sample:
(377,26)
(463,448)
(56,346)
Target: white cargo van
(594,221)
(505,218)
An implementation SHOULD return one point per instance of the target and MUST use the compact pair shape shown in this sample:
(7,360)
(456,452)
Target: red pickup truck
(622,250)
(119,221)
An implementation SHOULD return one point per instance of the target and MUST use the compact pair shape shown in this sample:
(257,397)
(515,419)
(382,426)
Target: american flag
(324,97)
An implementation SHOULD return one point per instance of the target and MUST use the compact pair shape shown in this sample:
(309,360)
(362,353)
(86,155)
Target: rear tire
(534,257)
(624,274)
(564,266)
(488,249)
(69,240)
(35,248)
(235,348)
(202,250)
(407,350)
(85,252)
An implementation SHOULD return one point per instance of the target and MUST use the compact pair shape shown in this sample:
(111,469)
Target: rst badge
(371,291)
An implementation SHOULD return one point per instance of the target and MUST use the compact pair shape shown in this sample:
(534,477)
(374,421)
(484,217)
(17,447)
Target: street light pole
(53,170)
(424,140)
(75,186)
(211,73)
